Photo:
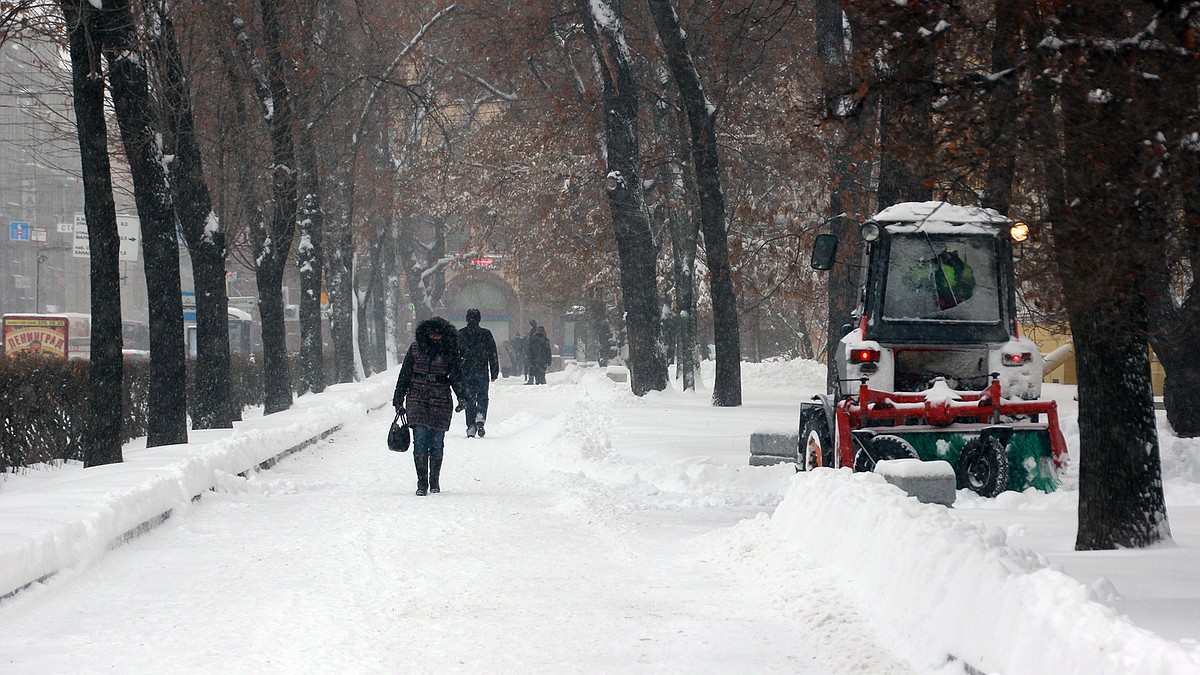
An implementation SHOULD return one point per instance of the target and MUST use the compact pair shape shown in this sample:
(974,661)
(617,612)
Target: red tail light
(864,356)
(1017,359)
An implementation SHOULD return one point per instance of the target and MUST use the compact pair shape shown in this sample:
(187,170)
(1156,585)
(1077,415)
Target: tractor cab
(933,365)
(937,300)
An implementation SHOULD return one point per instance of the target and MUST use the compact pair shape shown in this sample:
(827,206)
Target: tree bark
(379,299)
(727,386)
(309,263)
(1002,117)
(906,138)
(849,201)
(339,259)
(425,265)
(635,243)
(673,209)
(102,434)
(212,403)
(1175,314)
(1106,290)
(273,241)
(167,416)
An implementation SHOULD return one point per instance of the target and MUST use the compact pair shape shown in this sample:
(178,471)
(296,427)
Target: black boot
(421,460)
(435,471)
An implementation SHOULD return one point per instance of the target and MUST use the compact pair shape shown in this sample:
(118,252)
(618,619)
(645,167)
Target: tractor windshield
(942,278)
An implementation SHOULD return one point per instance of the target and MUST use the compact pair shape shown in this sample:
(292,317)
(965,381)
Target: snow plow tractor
(932,365)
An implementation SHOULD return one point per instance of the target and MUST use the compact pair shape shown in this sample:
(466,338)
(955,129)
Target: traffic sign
(128,231)
(19,230)
(189,305)
(82,247)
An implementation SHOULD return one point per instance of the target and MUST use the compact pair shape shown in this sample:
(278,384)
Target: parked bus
(240,330)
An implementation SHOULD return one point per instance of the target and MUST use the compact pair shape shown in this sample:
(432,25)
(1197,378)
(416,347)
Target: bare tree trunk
(212,403)
(1002,113)
(727,387)
(339,261)
(1175,313)
(850,199)
(635,243)
(1106,292)
(392,305)
(906,138)
(273,243)
(674,210)
(102,435)
(379,299)
(369,276)
(425,270)
(1177,323)
(309,261)
(167,417)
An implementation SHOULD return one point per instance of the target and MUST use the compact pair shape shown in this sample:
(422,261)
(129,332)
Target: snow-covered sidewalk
(59,518)
(591,531)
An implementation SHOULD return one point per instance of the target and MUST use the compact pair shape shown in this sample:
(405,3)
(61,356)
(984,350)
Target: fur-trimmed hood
(449,342)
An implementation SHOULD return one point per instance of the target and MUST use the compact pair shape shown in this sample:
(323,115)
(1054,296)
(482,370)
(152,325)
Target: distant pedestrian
(539,355)
(431,369)
(517,352)
(528,347)
(480,366)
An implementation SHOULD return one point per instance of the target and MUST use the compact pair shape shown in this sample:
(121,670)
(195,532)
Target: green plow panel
(1029,456)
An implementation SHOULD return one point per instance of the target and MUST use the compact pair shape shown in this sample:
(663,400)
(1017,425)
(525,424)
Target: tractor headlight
(869,230)
(1019,232)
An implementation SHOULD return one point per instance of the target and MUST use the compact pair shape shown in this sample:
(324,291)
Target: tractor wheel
(816,447)
(983,467)
(882,448)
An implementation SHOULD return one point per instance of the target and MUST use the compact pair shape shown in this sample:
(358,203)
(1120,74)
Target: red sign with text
(36,335)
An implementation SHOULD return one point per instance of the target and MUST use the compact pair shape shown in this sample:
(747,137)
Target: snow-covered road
(590,531)
(549,550)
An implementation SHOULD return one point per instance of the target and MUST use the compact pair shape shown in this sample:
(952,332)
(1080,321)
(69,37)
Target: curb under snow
(76,516)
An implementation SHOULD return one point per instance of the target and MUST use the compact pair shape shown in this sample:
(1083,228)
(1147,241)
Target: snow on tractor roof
(930,216)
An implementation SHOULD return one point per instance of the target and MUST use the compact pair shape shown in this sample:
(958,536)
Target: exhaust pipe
(1057,357)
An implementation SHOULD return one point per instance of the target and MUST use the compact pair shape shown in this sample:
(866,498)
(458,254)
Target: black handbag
(399,436)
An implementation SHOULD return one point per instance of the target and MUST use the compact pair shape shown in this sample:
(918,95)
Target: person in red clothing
(430,371)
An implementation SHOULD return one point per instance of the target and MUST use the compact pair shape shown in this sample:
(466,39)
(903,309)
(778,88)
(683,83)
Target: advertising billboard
(34,334)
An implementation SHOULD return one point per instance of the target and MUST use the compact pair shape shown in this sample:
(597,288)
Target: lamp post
(37,293)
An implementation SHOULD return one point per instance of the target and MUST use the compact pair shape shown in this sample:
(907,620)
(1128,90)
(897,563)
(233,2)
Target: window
(942,278)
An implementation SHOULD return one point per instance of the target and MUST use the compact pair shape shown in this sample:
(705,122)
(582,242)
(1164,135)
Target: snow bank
(72,515)
(958,587)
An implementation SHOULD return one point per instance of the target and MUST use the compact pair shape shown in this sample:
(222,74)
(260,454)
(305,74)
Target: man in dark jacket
(540,355)
(480,366)
(430,371)
(528,353)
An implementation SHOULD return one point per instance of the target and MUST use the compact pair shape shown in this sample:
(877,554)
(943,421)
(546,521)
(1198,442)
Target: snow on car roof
(931,215)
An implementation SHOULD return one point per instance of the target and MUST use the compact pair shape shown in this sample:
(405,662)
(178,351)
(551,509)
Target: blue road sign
(19,230)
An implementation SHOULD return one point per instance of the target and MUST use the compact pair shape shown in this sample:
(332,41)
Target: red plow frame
(984,407)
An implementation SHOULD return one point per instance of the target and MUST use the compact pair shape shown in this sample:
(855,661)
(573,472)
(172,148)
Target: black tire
(816,445)
(882,448)
(983,467)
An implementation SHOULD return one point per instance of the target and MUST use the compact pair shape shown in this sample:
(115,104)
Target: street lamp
(37,293)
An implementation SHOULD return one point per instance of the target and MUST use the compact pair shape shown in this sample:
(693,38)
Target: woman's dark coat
(429,372)
(540,355)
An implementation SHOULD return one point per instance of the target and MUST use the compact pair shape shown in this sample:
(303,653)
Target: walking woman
(430,371)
